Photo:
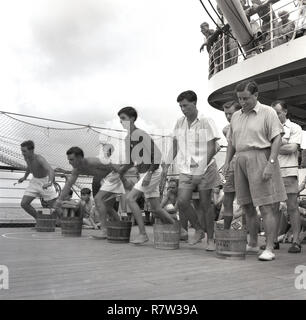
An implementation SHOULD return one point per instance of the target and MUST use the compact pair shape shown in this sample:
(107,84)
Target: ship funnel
(238,21)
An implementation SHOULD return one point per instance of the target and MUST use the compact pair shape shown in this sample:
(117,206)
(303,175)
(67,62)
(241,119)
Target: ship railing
(227,51)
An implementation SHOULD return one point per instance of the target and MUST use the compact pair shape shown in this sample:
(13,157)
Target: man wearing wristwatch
(255,137)
(142,152)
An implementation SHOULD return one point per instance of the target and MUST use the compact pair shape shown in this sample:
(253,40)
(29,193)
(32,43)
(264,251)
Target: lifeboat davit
(238,21)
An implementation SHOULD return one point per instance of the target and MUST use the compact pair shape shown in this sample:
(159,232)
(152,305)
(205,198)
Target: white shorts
(35,189)
(112,183)
(152,190)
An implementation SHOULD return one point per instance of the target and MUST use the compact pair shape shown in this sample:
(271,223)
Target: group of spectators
(223,52)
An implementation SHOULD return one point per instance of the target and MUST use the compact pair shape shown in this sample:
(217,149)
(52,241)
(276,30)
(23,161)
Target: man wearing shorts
(41,184)
(288,161)
(142,152)
(90,167)
(255,137)
(229,185)
(195,145)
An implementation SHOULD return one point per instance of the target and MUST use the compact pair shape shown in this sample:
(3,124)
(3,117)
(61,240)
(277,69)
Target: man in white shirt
(195,144)
(288,160)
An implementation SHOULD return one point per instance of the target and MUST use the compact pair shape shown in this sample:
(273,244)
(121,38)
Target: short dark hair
(282,103)
(76,151)
(233,103)
(86,191)
(188,95)
(250,86)
(173,180)
(129,111)
(29,144)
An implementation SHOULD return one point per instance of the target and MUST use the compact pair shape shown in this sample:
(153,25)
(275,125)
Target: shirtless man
(41,185)
(85,166)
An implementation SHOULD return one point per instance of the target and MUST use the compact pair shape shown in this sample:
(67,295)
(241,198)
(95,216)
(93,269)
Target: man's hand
(147,179)
(225,168)
(21,180)
(47,185)
(268,171)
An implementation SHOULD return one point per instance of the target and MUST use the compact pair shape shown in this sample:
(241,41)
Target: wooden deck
(47,266)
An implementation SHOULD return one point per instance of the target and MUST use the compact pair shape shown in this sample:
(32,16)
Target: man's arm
(288,148)
(302,185)
(229,152)
(69,183)
(211,150)
(27,173)
(276,143)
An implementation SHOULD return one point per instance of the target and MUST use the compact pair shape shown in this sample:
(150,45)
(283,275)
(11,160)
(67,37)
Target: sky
(83,60)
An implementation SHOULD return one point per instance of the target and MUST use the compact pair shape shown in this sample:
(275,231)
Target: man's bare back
(93,167)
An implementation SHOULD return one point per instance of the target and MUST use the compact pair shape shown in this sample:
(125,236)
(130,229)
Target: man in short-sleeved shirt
(195,143)
(229,183)
(288,161)
(255,137)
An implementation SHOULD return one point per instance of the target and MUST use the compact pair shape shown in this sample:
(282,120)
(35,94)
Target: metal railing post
(223,53)
(271,26)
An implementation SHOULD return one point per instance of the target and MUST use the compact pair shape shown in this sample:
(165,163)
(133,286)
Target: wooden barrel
(72,226)
(118,231)
(166,236)
(230,244)
(45,222)
(303,163)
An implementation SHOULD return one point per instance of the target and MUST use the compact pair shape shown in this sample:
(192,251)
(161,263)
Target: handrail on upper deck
(222,57)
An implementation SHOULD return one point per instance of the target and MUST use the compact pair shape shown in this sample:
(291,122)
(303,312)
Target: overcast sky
(82,60)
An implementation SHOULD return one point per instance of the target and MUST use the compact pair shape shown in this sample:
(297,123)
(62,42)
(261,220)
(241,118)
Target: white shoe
(210,246)
(267,255)
(252,250)
(140,239)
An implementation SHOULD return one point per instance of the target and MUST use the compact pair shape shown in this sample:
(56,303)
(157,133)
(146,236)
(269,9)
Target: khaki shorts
(229,185)
(35,189)
(152,190)
(291,184)
(250,187)
(207,181)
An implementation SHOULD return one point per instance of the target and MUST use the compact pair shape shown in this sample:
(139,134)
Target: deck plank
(52,267)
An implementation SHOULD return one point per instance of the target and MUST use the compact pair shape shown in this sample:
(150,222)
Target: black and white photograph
(152,153)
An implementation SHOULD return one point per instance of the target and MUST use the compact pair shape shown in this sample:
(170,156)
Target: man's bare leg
(159,211)
(200,214)
(101,199)
(26,206)
(295,219)
(131,199)
(251,222)
(269,216)
(184,197)
(228,209)
(205,203)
